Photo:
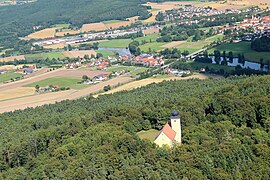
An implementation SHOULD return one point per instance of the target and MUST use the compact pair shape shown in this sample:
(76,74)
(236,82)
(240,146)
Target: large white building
(171,133)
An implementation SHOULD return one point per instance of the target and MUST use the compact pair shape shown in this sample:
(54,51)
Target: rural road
(51,98)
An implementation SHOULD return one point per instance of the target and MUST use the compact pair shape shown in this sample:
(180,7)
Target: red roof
(168,131)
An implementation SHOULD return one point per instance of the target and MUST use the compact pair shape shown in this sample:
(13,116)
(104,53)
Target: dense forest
(226,124)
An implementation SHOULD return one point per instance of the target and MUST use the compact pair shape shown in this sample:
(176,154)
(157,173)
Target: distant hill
(19,20)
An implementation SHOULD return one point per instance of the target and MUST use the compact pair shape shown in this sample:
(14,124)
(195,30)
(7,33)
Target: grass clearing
(9,75)
(61,26)
(115,43)
(243,47)
(150,134)
(57,81)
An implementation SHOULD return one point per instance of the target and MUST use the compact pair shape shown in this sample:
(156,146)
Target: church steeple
(176,126)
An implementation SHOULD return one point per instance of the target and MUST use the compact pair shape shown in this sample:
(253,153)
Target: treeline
(261,44)
(225,125)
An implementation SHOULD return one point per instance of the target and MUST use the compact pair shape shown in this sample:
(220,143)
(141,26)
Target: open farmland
(260,3)
(160,7)
(156,46)
(38,100)
(17,92)
(56,81)
(65,32)
(12,58)
(49,55)
(8,76)
(81,54)
(195,46)
(115,43)
(42,34)
(59,72)
(94,27)
(55,46)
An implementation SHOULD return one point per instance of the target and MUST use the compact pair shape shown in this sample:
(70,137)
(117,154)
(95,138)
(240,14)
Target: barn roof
(168,131)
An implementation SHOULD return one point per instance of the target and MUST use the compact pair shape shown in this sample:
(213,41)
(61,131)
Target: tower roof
(175,114)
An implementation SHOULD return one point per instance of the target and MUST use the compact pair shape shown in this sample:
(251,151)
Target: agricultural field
(49,55)
(56,81)
(120,68)
(16,93)
(149,135)
(49,98)
(55,46)
(59,26)
(260,3)
(115,43)
(159,7)
(9,75)
(243,47)
(195,46)
(93,27)
(12,58)
(43,34)
(105,53)
(80,54)
(65,32)
(148,38)
(156,46)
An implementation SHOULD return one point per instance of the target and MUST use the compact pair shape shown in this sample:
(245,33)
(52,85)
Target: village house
(101,77)
(171,133)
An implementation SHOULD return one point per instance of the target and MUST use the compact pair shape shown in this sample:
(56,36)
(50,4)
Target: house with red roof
(171,133)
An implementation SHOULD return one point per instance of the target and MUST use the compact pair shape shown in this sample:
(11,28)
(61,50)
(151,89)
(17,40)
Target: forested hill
(18,20)
(226,125)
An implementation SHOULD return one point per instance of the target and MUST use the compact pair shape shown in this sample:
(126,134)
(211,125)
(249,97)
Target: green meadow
(56,81)
(243,48)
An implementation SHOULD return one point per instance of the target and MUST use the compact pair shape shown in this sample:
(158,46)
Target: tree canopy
(225,125)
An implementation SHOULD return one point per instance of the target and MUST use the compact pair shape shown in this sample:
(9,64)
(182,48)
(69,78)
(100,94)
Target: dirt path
(50,98)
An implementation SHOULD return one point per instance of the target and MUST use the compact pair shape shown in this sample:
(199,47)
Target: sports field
(243,47)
